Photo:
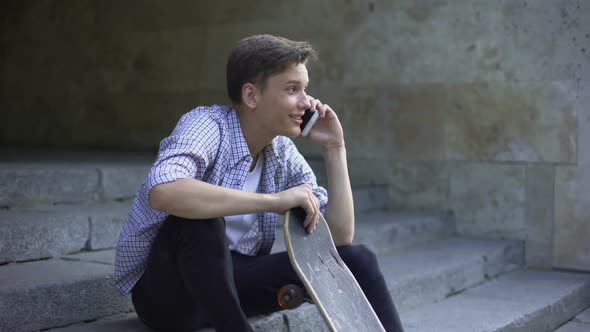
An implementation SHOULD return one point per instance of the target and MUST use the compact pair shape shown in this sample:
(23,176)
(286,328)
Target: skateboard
(329,283)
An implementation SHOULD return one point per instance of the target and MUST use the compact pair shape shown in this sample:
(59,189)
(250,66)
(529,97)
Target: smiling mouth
(296,118)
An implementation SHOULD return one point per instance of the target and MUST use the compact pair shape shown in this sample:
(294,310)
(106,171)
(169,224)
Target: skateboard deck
(329,282)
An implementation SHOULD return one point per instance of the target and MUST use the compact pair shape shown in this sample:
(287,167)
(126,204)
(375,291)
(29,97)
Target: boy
(195,249)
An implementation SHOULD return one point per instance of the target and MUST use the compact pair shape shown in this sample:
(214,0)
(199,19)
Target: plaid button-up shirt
(208,144)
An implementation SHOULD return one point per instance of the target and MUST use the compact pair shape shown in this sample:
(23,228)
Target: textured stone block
(307,318)
(431,272)
(369,171)
(386,231)
(272,322)
(571,236)
(105,225)
(427,272)
(509,303)
(571,245)
(25,184)
(160,111)
(65,293)
(573,326)
(546,40)
(156,61)
(122,181)
(41,232)
(532,122)
(146,15)
(418,122)
(540,184)
(29,235)
(379,123)
(124,322)
(489,200)
(102,257)
(370,199)
(419,185)
(367,116)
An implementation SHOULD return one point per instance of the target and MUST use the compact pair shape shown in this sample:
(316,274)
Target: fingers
(316,217)
(312,210)
(317,105)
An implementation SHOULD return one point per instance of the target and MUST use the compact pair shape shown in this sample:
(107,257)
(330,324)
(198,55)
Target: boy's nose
(305,103)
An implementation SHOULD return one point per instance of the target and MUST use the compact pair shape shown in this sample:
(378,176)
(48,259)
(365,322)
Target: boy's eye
(292,89)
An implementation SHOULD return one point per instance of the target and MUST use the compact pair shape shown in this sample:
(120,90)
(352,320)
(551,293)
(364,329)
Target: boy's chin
(296,134)
(293,133)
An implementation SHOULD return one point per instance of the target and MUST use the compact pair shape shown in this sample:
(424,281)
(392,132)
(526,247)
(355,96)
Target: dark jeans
(193,280)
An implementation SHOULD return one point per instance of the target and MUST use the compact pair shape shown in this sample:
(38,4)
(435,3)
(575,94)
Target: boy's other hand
(300,196)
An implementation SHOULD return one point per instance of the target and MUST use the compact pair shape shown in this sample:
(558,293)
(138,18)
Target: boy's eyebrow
(293,82)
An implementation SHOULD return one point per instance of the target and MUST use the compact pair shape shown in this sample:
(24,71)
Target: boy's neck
(253,134)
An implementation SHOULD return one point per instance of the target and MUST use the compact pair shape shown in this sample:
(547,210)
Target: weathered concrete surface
(431,272)
(132,323)
(53,293)
(36,234)
(416,275)
(395,231)
(369,199)
(25,184)
(420,185)
(488,199)
(106,222)
(571,237)
(511,303)
(580,323)
(307,318)
(539,214)
(51,231)
(530,122)
(388,231)
(72,178)
(122,181)
(102,257)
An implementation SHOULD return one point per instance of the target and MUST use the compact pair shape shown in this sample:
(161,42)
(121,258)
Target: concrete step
(386,231)
(28,183)
(424,273)
(47,177)
(368,199)
(50,231)
(41,294)
(430,272)
(580,323)
(71,229)
(526,300)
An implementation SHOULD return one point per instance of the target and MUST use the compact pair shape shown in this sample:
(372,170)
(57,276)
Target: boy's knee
(358,257)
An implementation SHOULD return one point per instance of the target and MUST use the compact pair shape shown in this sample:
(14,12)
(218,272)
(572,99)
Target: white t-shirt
(237,226)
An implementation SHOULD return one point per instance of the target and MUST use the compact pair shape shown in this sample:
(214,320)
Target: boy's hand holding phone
(309,119)
(327,130)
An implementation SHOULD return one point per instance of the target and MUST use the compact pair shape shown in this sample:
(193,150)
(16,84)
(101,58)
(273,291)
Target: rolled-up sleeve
(186,153)
(301,173)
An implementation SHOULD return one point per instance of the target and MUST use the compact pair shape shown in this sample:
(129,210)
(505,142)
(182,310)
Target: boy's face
(283,101)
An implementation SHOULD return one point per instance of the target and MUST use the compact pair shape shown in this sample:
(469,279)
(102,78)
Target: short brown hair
(254,59)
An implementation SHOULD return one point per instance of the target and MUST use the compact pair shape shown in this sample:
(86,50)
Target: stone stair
(60,215)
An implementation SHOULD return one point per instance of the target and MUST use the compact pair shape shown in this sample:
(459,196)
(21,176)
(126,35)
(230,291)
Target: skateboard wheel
(290,297)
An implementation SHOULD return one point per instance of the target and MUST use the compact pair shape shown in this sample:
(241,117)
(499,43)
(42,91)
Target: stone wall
(474,106)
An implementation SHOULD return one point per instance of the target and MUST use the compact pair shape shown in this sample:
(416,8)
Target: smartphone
(309,119)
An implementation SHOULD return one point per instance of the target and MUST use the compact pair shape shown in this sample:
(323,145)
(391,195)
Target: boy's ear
(249,92)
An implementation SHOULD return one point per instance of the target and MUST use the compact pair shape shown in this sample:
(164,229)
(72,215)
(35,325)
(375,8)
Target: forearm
(340,209)
(194,199)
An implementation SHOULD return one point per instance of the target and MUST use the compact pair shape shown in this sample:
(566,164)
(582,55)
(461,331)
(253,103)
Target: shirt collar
(239,146)
(271,152)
